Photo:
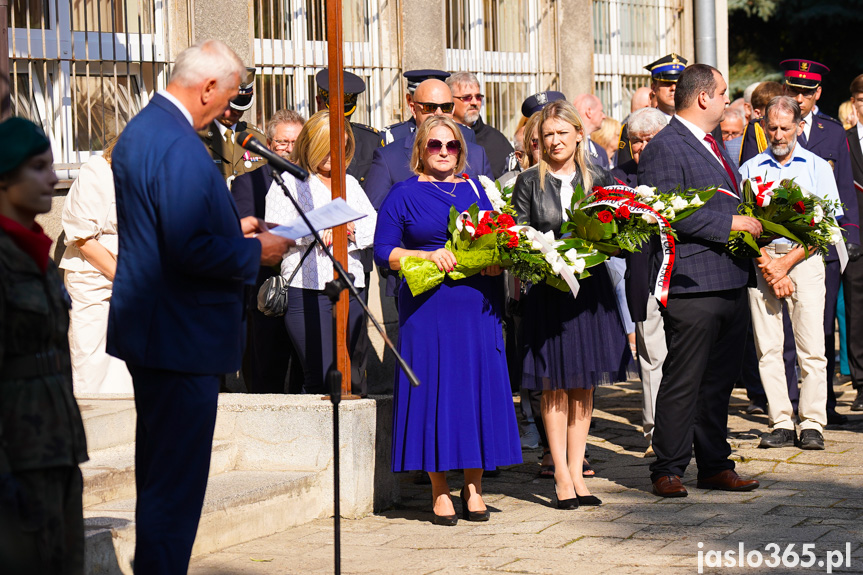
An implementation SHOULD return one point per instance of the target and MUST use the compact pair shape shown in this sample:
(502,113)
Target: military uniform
(367,140)
(41,433)
(231,158)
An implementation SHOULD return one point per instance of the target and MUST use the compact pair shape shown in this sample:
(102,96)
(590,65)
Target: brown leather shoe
(669,486)
(728,480)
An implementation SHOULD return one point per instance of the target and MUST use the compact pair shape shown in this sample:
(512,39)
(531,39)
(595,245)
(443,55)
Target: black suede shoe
(811,439)
(778,438)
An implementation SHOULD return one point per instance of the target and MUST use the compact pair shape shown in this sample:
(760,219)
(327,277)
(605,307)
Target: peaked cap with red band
(803,74)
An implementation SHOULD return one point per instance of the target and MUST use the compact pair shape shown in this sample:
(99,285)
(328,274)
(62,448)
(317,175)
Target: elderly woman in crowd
(462,415)
(309,315)
(570,345)
(41,433)
(90,261)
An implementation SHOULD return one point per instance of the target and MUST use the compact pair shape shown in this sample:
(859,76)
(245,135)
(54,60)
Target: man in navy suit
(177,309)
(390,165)
(708,310)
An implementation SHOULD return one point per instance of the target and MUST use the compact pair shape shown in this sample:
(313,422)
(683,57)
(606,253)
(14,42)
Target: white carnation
(571,254)
(577,266)
(658,205)
(644,191)
(669,214)
(648,218)
(678,203)
(835,235)
(819,214)
(696,201)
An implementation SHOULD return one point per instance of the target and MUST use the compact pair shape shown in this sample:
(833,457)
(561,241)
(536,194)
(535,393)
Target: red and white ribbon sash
(617,196)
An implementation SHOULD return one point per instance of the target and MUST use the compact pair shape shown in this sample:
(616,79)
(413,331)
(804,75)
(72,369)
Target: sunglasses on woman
(453,147)
(430,107)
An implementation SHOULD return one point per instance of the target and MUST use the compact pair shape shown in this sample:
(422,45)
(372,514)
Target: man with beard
(787,274)
(467,101)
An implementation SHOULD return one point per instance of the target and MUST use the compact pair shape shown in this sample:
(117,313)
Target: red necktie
(715,147)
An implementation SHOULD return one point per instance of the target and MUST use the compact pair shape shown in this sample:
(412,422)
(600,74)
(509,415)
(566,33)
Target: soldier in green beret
(41,432)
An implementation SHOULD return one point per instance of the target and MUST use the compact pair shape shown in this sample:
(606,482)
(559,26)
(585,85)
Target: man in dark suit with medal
(825,137)
(707,311)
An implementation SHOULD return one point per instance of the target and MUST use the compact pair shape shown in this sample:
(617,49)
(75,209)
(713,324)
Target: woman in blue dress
(570,345)
(462,415)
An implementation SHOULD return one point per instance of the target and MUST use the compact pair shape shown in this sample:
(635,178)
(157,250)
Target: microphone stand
(333,290)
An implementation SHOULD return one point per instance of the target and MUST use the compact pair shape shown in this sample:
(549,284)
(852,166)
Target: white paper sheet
(333,214)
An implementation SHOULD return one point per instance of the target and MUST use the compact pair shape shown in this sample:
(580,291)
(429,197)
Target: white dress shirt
(317,268)
(173,99)
(699,134)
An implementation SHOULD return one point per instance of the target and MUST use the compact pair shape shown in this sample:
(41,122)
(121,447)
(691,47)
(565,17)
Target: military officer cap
(668,68)
(20,139)
(417,77)
(243,101)
(353,86)
(535,103)
(803,74)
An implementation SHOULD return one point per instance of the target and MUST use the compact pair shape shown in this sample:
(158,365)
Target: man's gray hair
(207,59)
(786,104)
(646,122)
(736,113)
(747,93)
(283,116)
(462,79)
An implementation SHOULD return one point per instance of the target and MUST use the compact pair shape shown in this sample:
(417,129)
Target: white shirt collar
(860,130)
(696,131)
(173,99)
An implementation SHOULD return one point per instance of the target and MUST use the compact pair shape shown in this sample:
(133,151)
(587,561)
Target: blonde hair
(565,112)
(847,114)
(531,127)
(427,126)
(608,133)
(313,143)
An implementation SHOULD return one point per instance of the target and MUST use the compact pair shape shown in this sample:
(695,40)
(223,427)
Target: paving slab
(805,497)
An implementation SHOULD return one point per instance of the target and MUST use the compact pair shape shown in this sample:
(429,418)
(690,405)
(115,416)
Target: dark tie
(715,147)
(803,139)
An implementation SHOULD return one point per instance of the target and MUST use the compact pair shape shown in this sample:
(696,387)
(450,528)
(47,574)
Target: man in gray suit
(707,310)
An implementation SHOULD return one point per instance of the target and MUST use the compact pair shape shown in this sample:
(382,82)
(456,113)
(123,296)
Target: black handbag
(273,295)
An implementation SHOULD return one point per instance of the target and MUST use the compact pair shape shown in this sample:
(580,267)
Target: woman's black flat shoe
(445,520)
(469,515)
(588,499)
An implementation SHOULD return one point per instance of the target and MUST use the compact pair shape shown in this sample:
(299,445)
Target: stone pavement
(806,497)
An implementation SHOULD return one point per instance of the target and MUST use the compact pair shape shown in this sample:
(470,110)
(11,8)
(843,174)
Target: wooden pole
(335,46)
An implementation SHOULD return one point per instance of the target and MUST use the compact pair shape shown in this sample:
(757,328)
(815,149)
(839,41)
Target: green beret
(20,139)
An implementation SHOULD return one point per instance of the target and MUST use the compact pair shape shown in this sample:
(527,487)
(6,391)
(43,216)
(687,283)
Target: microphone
(252,144)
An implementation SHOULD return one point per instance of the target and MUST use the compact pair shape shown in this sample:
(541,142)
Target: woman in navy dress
(569,345)
(462,415)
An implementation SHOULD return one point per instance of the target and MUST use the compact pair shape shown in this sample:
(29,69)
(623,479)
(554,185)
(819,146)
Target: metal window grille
(290,48)
(83,68)
(628,35)
(510,45)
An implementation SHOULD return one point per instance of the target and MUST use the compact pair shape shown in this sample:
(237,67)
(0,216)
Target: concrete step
(108,422)
(239,506)
(110,473)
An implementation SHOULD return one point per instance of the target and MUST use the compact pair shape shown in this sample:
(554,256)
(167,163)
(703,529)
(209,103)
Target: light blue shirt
(809,171)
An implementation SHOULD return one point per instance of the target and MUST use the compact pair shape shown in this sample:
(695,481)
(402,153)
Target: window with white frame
(290,48)
(627,36)
(83,68)
(502,42)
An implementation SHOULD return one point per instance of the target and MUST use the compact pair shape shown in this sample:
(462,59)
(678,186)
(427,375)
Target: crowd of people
(162,268)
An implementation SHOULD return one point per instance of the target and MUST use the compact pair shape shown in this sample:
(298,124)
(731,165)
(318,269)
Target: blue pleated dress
(462,415)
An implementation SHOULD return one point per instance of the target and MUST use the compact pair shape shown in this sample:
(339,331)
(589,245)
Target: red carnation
(513,240)
(487,219)
(482,230)
(605,216)
(799,207)
(622,212)
(505,221)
